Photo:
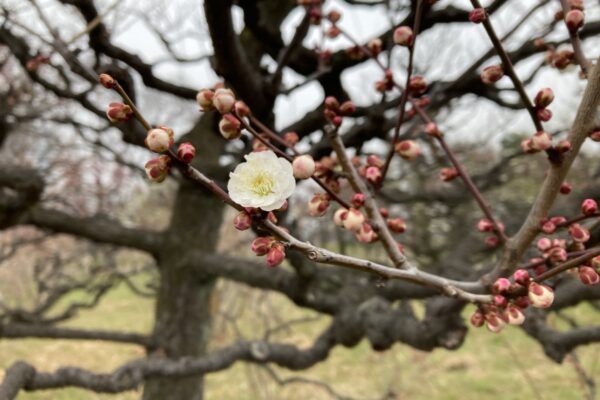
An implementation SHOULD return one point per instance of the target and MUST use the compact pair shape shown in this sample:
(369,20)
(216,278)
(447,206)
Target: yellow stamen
(262,184)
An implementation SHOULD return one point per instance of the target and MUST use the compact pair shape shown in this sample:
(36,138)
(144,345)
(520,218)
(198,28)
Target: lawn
(489,366)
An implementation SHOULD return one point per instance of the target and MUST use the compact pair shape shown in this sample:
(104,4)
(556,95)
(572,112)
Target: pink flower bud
(375,46)
(230,127)
(375,161)
(521,276)
(317,206)
(477,15)
(522,302)
(119,112)
(477,319)
(403,36)
(501,286)
(261,245)
(557,255)
(304,167)
(485,225)
(565,188)
(157,169)
(337,121)
(373,175)
(574,20)
(358,200)
(432,129)
(544,244)
(338,217)
(515,315)
(544,98)
(492,74)
(223,100)
(417,85)
(562,59)
(494,323)
(331,103)
(588,275)
(589,207)
(448,174)
(540,295)
(204,98)
(563,146)
(242,221)
(558,220)
(353,220)
(408,149)
(548,227)
(527,146)
(492,241)
(544,114)
(291,138)
(347,108)
(579,233)
(186,152)
(276,255)
(541,141)
(241,109)
(366,234)
(107,81)
(158,140)
(397,225)
(384,212)
(500,301)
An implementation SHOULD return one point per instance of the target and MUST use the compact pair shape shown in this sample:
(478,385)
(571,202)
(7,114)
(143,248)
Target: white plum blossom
(263,181)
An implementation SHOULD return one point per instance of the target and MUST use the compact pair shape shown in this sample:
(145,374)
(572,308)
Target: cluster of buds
(354,221)
(542,141)
(118,112)
(403,36)
(553,251)
(387,83)
(270,247)
(492,74)
(223,100)
(334,111)
(408,149)
(509,301)
(371,170)
(158,168)
(486,226)
(549,225)
(318,204)
(542,100)
(159,139)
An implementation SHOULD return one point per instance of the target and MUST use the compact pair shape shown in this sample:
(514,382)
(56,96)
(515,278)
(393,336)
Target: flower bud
(331,103)
(230,127)
(338,217)
(527,146)
(375,161)
(540,295)
(157,169)
(562,59)
(223,100)
(408,149)
(291,138)
(107,81)
(544,114)
(304,167)
(384,212)
(347,108)
(485,225)
(574,20)
(204,98)
(358,200)
(492,241)
(548,227)
(448,174)
(119,112)
(563,146)
(333,31)
(353,220)
(557,255)
(579,233)
(317,206)
(544,97)
(544,244)
(522,302)
(588,275)
(477,319)
(158,140)
(261,245)
(242,221)
(432,129)
(565,188)
(186,152)
(334,16)
(515,315)
(366,234)
(417,85)
(541,141)
(373,175)
(501,286)
(403,36)
(589,207)
(275,255)
(375,46)
(477,15)
(500,301)
(397,225)
(492,74)
(521,276)
(494,323)
(241,109)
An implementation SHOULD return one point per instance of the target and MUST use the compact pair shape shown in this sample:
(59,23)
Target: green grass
(488,366)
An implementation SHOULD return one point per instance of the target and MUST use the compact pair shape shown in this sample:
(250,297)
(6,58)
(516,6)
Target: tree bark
(183,308)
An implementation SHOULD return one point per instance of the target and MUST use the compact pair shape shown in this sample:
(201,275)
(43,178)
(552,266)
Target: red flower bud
(397,225)
(521,276)
(275,255)
(544,114)
(477,15)
(588,275)
(347,108)
(334,16)
(403,36)
(544,97)
(241,109)
(565,188)
(574,20)
(373,175)
(492,74)
(492,241)
(501,286)
(477,319)
(548,227)
(544,244)
(579,233)
(500,301)
(119,112)
(589,207)
(448,174)
(158,168)
(186,152)
(485,225)
(384,212)
(375,46)
(261,245)
(494,323)
(107,81)
(417,85)
(242,221)
(331,103)
(358,200)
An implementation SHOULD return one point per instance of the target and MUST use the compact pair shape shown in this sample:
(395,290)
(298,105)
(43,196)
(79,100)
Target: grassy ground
(488,366)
